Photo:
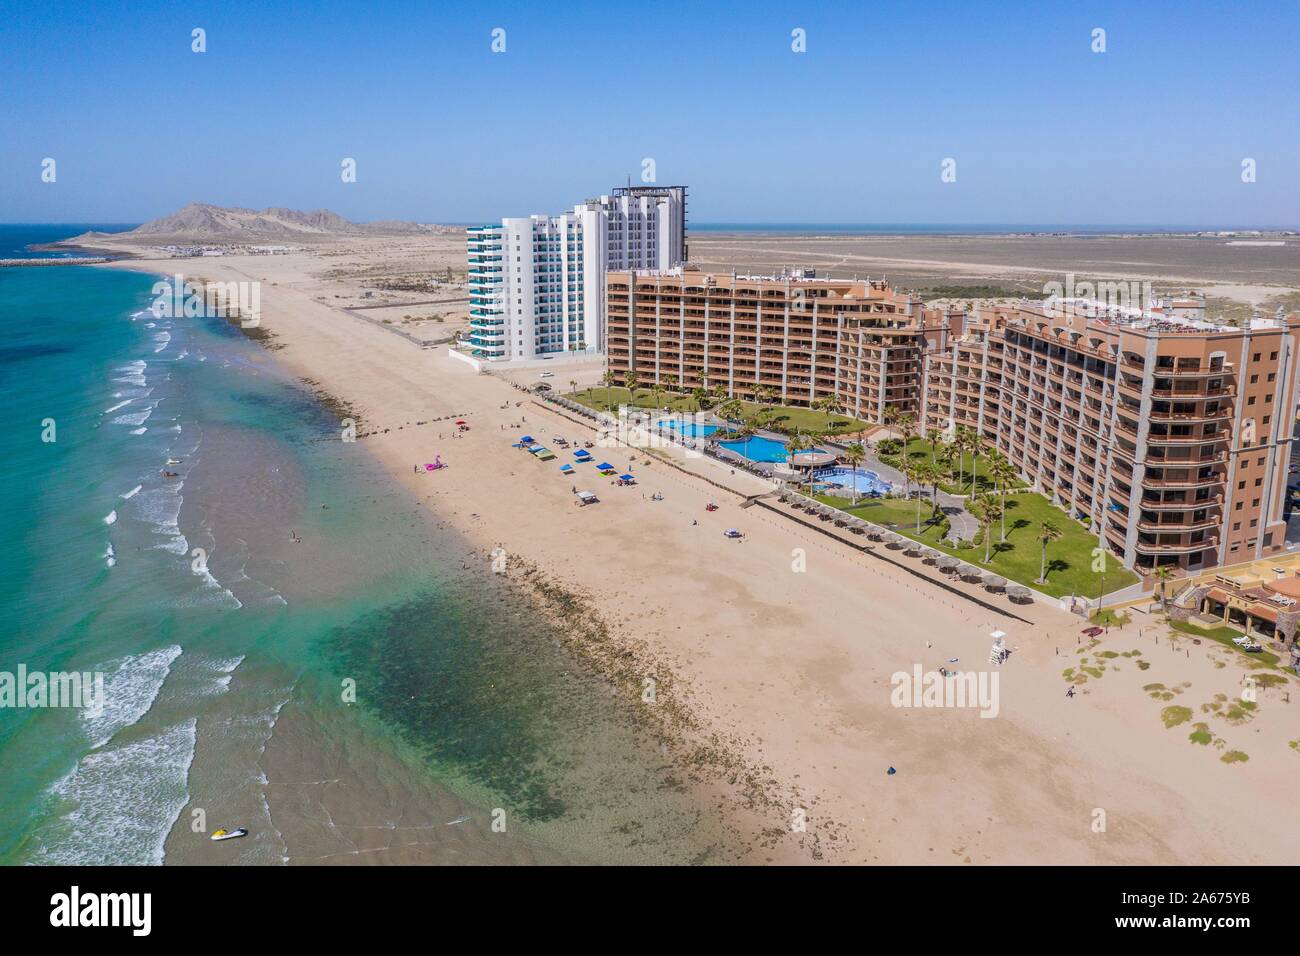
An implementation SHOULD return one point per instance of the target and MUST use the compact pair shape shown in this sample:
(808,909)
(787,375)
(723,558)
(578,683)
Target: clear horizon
(854,130)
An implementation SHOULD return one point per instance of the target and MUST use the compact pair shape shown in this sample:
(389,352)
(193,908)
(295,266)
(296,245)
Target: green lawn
(783,419)
(922,449)
(1069,558)
(1224,636)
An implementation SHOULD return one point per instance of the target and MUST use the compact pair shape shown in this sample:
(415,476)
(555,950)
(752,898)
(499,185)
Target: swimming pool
(761,449)
(687,428)
(854,479)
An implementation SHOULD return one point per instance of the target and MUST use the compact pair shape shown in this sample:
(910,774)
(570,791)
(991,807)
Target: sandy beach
(777,681)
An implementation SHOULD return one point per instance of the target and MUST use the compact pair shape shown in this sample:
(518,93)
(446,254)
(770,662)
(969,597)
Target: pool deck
(961,523)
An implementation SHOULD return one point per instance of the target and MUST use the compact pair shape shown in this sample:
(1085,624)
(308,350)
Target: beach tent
(546,455)
(566,469)
(527,439)
(604,466)
(582,454)
(536,448)
(627,478)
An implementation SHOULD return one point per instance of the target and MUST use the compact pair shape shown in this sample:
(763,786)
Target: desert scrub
(1175,715)
(1235,756)
(1201,734)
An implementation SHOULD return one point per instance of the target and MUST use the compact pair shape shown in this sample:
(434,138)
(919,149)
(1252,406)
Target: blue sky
(1043,130)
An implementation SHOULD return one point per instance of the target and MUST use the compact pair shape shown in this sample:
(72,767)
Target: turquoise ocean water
(197,533)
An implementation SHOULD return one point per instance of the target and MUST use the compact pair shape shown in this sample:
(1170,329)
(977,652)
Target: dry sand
(794,668)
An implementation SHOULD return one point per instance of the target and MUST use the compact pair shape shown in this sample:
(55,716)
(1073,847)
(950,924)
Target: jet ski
(234,834)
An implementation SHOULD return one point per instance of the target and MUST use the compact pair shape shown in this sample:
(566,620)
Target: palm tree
(700,395)
(1162,574)
(1047,533)
(906,425)
(987,510)
(1004,473)
(573,384)
(961,442)
(656,390)
(799,442)
(730,409)
(932,435)
(610,378)
(922,472)
(670,382)
(630,383)
(853,454)
(976,444)
(947,455)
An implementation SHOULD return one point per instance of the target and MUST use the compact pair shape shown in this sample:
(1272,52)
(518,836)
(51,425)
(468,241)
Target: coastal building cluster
(537,284)
(1167,434)
(797,339)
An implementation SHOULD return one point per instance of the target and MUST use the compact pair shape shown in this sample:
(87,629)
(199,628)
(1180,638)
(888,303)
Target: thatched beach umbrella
(995,582)
(948,563)
(1018,592)
(912,548)
(969,572)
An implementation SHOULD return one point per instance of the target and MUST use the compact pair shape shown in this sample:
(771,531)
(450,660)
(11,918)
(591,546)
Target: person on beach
(1070,692)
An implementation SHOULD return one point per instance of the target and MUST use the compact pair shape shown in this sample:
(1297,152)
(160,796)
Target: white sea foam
(137,431)
(131,685)
(109,556)
(164,338)
(123,801)
(114,408)
(110,518)
(132,493)
(132,373)
(135,418)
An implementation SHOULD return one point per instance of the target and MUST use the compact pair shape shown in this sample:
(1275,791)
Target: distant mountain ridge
(204,222)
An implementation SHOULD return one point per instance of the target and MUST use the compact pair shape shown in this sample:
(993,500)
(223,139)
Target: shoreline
(794,669)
